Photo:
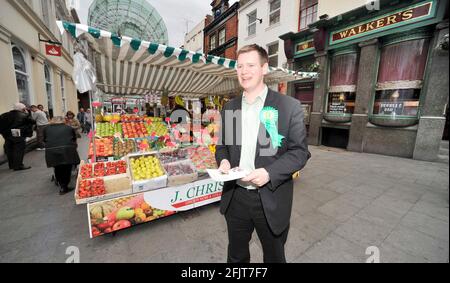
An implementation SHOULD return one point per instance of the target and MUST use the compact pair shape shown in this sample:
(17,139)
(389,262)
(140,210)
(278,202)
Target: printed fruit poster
(124,212)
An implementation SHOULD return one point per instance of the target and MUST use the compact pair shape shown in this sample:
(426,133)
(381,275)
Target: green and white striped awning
(130,66)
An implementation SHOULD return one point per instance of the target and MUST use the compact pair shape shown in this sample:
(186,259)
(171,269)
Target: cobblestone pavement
(344,202)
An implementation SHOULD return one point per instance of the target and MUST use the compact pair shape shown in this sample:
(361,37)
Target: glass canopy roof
(133,18)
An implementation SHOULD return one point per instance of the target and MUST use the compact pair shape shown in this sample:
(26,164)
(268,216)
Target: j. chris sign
(53,50)
(185,197)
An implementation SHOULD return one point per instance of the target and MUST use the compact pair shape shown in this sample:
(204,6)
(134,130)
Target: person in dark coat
(15,127)
(61,151)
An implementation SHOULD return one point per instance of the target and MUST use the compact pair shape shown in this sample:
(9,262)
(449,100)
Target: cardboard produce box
(146,183)
(180,172)
(115,185)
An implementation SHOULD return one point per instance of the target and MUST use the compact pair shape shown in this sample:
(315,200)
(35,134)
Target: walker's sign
(398,18)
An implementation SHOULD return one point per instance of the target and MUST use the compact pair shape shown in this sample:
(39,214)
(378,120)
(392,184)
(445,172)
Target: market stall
(139,167)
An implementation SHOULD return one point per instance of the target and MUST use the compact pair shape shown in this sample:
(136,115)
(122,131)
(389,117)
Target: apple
(121,224)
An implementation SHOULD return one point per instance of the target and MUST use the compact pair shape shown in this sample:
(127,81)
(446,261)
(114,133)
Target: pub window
(251,27)
(273,54)
(22,75)
(222,36)
(308,13)
(400,76)
(274,14)
(342,90)
(212,42)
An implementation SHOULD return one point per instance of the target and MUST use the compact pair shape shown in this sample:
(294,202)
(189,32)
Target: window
(273,54)
(343,77)
(308,13)
(274,15)
(22,75)
(251,28)
(212,42)
(63,95)
(400,75)
(49,89)
(222,36)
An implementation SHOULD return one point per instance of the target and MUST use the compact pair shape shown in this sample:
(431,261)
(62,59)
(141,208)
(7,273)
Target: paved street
(344,202)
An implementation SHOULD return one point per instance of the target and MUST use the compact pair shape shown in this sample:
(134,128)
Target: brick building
(221,35)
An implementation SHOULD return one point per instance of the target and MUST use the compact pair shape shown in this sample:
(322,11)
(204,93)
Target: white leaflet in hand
(233,174)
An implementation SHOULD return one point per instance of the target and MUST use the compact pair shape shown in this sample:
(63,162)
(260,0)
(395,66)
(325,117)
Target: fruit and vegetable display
(111,118)
(173,156)
(110,168)
(153,119)
(202,158)
(131,118)
(86,171)
(156,128)
(91,188)
(145,167)
(103,146)
(134,130)
(123,147)
(122,213)
(108,129)
(180,168)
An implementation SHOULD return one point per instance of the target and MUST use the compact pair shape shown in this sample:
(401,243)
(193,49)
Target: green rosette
(269,118)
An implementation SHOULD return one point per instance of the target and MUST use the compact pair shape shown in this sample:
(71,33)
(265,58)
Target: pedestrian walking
(269,141)
(88,120)
(81,117)
(41,107)
(41,122)
(61,151)
(73,122)
(15,127)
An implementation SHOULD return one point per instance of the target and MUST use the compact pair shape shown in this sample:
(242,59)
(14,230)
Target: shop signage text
(399,18)
(304,46)
(389,108)
(337,108)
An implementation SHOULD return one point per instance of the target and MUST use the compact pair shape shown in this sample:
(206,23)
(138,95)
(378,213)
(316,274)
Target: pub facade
(383,84)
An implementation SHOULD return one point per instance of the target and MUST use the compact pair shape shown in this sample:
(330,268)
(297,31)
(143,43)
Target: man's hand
(259,177)
(225,166)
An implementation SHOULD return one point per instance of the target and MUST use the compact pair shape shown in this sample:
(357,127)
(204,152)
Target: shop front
(383,83)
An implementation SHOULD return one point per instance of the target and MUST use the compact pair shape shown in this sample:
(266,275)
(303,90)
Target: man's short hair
(33,106)
(264,57)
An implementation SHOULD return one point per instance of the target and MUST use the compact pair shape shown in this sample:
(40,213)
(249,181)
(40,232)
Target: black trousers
(15,151)
(243,216)
(62,174)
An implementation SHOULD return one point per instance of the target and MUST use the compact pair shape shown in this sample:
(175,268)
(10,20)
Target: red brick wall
(230,32)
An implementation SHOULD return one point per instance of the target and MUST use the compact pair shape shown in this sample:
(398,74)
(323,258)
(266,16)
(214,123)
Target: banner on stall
(124,212)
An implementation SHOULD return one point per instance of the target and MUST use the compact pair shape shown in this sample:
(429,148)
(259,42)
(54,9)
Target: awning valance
(129,66)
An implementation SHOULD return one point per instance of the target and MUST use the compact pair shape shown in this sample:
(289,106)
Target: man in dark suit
(263,133)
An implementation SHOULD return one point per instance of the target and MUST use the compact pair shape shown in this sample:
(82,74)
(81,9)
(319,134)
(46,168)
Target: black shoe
(22,168)
(64,190)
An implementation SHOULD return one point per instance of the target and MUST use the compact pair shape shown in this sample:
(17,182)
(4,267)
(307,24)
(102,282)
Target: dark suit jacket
(280,163)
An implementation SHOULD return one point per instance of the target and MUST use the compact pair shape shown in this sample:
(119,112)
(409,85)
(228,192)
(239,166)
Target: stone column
(435,89)
(320,91)
(367,70)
